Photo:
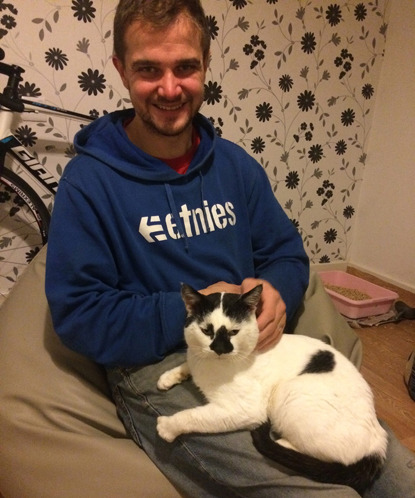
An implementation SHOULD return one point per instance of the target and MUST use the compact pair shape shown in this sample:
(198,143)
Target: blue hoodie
(127,230)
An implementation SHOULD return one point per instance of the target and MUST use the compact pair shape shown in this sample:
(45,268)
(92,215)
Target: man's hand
(221,287)
(271,314)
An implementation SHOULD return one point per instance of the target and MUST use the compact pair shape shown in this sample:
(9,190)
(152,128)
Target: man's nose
(169,87)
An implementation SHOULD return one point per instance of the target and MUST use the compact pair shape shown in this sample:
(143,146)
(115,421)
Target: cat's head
(221,323)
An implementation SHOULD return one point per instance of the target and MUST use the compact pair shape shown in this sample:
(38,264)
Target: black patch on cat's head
(321,362)
(198,305)
(239,307)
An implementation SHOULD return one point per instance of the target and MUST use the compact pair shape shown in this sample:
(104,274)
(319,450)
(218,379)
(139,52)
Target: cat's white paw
(166,429)
(167,381)
(172,377)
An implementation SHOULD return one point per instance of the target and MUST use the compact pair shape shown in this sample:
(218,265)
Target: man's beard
(166,129)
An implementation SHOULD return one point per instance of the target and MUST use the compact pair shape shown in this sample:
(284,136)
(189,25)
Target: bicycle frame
(24,216)
(9,143)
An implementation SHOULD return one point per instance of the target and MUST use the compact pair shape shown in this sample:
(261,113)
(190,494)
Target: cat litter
(355,297)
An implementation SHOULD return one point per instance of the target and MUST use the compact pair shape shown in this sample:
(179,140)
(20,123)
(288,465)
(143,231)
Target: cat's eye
(233,332)
(208,331)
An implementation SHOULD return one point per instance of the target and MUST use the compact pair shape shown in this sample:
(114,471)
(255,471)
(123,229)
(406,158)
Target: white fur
(327,415)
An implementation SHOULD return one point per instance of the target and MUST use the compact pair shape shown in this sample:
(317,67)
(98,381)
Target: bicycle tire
(30,198)
(24,226)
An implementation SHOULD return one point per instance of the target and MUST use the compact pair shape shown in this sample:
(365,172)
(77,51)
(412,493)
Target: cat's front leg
(209,418)
(185,421)
(174,376)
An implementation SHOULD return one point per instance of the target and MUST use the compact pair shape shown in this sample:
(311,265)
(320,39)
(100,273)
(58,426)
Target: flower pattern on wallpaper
(62,69)
(305,108)
(292,82)
(62,85)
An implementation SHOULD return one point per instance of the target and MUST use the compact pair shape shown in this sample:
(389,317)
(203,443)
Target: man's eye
(147,71)
(186,70)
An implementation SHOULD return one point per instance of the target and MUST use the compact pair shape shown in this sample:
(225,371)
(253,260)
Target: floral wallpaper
(292,81)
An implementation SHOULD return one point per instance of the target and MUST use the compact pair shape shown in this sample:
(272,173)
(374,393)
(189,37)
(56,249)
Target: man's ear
(119,66)
(206,61)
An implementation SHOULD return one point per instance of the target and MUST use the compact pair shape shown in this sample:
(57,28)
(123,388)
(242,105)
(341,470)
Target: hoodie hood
(106,140)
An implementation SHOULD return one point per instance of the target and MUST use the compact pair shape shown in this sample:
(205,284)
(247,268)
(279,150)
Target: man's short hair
(158,13)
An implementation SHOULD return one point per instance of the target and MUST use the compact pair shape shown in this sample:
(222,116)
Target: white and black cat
(302,390)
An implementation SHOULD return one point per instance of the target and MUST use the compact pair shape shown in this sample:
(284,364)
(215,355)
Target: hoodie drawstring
(175,212)
(176,218)
(202,194)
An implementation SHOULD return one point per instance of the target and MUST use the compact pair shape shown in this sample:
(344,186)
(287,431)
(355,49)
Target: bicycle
(24,217)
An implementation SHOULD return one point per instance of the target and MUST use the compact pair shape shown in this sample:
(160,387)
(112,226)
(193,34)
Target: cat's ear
(252,297)
(190,297)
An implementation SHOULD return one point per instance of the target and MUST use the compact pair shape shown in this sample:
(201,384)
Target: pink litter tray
(380,300)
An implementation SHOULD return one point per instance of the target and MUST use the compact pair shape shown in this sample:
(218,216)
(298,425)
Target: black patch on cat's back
(321,362)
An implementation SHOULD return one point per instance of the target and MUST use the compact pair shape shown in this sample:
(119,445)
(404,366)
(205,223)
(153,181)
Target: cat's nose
(221,344)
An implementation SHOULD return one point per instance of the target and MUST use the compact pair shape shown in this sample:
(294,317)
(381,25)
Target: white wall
(384,233)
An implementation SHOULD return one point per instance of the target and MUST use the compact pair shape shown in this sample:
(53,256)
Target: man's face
(164,72)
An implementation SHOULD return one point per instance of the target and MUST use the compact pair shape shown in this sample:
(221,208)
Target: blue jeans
(227,465)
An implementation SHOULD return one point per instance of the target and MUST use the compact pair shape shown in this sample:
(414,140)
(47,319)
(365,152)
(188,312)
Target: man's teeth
(169,108)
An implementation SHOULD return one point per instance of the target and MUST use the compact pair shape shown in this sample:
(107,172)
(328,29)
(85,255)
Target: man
(154,199)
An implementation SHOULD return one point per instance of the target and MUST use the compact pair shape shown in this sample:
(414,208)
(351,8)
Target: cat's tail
(359,476)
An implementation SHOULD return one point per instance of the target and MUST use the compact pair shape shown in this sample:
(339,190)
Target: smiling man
(154,198)
(164,72)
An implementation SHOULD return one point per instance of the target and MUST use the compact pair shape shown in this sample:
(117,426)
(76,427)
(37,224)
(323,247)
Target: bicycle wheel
(24,224)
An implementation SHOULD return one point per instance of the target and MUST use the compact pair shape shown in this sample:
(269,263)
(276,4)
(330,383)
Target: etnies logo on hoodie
(192,222)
